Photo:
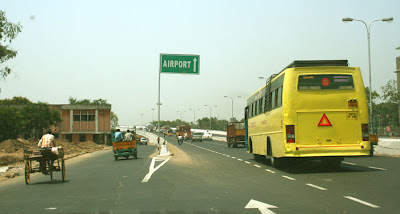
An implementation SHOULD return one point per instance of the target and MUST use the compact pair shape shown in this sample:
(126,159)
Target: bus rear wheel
(274,162)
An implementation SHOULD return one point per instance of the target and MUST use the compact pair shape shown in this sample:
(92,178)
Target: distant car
(197,136)
(207,135)
(143,140)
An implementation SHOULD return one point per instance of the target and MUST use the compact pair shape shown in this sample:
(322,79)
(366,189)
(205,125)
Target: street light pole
(210,113)
(153,113)
(368,27)
(194,116)
(142,119)
(232,103)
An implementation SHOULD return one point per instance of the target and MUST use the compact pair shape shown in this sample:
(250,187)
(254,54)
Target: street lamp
(194,115)
(153,112)
(181,114)
(232,103)
(142,119)
(210,113)
(368,27)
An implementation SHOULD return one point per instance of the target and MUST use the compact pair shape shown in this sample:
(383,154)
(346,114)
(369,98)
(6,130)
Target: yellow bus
(311,109)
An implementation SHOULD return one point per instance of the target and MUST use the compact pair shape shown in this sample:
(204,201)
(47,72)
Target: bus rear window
(325,81)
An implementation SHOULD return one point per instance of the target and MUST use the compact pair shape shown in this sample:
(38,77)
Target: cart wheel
(27,172)
(135,154)
(62,170)
(116,158)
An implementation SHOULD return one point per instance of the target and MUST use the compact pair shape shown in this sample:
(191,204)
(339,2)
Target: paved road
(206,177)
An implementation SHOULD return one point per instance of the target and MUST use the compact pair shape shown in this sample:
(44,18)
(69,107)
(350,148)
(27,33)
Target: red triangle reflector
(324,121)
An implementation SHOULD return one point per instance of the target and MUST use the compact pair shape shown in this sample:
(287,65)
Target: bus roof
(313,63)
(307,63)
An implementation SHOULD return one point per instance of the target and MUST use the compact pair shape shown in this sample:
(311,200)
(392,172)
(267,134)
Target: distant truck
(149,127)
(235,134)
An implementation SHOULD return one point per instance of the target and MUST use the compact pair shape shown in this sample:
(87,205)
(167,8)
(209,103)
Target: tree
(36,117)
(390,93)
(8,32)
(9,123)
(375,96)
(113,120)
(15,101)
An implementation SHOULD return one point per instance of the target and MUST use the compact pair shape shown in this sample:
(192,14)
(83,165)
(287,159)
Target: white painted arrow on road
(262,207)
(194,67)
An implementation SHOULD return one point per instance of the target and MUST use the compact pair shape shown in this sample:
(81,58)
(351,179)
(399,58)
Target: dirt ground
(12,153)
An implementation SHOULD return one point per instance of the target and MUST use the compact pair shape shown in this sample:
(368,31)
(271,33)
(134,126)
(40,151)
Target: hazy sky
(111,49)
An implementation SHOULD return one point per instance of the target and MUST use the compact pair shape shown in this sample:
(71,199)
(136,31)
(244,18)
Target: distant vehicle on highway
(143,140)
(311,109)
(184,131)
(207,135)
(197,136)
(235,134)
(149,127)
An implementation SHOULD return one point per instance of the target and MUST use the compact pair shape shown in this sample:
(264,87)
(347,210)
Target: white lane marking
(317,187)
(262,207)
(152,169)
(348,163)
(287,177)
(227,155)
(372,167)
(361,202)
(257,165)
(247,162)
(268,170)
(233,157)
(239,159)
(50,208)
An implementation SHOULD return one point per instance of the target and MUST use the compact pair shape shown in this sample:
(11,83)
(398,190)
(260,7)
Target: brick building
(81,123)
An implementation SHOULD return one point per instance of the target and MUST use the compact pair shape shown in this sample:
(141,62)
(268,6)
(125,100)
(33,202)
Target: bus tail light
(365,133)
(290,136)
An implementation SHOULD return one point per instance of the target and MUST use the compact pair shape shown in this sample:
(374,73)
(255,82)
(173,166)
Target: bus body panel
(342,137)
(304,110)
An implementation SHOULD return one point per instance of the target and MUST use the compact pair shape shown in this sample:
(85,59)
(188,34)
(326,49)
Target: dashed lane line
(349,163)
(258,166)
(317,187)
(247,162)
(239,159)
(361,202)
(287,177)
(372,167)
(268,170)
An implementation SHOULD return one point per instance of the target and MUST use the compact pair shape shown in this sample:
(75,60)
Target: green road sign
(180,63)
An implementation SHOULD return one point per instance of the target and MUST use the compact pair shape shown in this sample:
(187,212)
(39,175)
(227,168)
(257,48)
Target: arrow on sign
(262,207)
(194,62)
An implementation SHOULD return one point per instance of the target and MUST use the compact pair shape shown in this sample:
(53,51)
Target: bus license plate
(352,115)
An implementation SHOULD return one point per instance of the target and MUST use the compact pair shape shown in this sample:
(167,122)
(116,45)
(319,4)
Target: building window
(77,117)
(69,137)
(82,138)
(91,117)
(84,117)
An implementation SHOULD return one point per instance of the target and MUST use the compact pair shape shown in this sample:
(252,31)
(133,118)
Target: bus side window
(251,110)
(273,94)
(261,105)
(255,108)
(279,96)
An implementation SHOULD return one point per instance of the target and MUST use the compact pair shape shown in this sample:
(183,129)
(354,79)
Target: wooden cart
(49,162)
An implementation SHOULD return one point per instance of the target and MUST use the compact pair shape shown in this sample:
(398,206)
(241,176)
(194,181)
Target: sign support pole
(159,106)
